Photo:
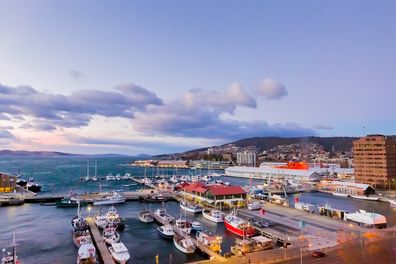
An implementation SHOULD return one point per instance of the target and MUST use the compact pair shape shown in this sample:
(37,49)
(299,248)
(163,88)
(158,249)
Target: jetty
(100,244)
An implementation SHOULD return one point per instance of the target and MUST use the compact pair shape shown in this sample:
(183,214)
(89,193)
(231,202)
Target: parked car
(318,254)
(259,224)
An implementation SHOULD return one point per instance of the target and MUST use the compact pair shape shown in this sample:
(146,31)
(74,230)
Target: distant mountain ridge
(26,153)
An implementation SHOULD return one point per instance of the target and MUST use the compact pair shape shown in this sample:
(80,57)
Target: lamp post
(89,211)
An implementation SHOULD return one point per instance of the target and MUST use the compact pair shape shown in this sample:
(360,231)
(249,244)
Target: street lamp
(89,210)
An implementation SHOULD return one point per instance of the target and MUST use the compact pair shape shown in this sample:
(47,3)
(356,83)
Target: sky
(153,77)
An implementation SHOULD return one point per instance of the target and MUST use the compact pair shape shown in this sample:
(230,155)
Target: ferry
(367,219)
(184,244)
(213,215)
(119,253)
(87,254)
(238,226)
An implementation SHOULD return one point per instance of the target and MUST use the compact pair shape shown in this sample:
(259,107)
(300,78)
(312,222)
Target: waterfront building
(211,165)
(350,188)
(375,160)
(7,183)
(173,164)
(215,195)
(246,158)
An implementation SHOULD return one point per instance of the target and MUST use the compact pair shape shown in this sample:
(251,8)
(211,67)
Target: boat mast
(87,169)
(14,250)
(96,168)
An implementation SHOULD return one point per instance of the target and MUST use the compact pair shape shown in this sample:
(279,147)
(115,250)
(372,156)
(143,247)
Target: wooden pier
(100,244)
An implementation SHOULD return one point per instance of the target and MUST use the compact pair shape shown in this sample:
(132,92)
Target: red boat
(238,226)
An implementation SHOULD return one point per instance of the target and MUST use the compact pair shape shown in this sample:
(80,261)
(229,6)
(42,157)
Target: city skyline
(138,77)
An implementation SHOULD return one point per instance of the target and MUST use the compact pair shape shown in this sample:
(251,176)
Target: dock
(100,244)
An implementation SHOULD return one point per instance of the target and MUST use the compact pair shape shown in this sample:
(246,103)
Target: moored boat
(115,198)
(184,244)
(66,202)
(81,237)
(213,215)
(192,208)
(110,177)
(87,254)
(196,226)
(32,186)
(183,225)
(145,216)
(238,226)
(392,202)
(119,253)
(366,197)
(161,213)
(110,235)
(8,257)
(340,194)
(166,231)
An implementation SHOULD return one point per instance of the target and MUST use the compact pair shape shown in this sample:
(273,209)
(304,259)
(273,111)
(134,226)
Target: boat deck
(99,243)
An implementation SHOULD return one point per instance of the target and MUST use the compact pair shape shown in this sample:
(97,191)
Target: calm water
(44,232)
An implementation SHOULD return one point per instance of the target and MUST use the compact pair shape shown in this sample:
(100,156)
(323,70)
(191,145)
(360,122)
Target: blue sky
(153,77)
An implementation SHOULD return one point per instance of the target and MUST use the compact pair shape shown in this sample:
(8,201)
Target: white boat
(311,208)
(392,202)
(8,257)
(166,231)
(366,197)
(367,219)
(81,237)
(213,215)
(161,213)
(118,177)
(174,179)
(87,254)
(183,225)
(119,253)
(110,177)
(116,198)
(184,244)
(254,205)
(110,235)
(145,217)
(192,208)
(340,194)
(126,176)
(101,221)
(196,226)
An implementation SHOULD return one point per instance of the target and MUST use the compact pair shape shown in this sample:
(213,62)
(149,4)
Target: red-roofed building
(217,195)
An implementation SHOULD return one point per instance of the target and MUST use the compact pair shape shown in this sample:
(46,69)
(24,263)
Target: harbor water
(44,233)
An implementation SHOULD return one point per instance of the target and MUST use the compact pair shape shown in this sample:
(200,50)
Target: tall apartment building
(375,160)
(7,183)
(246,158)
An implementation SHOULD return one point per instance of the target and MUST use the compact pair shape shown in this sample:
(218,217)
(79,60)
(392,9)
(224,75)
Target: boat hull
(340,194)
(240,232)
(167,236)
(182,249)
(109,202)
(211,218)
(191,210)
(367,198)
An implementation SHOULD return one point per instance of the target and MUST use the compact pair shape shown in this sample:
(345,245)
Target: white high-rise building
(246,158)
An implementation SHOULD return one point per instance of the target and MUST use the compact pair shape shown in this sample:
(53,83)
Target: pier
(100,244)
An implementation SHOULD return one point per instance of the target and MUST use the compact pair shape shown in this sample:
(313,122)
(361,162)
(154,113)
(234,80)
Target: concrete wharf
(100,244)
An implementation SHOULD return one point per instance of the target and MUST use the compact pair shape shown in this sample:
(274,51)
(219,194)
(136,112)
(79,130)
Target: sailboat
(8,257)
(86,178)
(95,177)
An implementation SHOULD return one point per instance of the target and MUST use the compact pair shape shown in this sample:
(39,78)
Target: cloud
(4,117)
(271,89)
(5,134)
(77,75)
(49,111)
(323,127)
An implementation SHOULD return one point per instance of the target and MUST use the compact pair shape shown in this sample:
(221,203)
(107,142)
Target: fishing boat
(161,213)
(32,186)
(238,226)
(196,226)
(81,237)
(183,225)
(110,235)
(67,202)
(110,177)
(87,254)
(213,215)
(166,231)
(145,216)
(115,198)
(8,257)
(184,244)
(119,253)
(366,197)
(212,242)
(192,208)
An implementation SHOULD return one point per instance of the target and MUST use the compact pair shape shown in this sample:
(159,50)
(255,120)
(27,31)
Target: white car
(254,206)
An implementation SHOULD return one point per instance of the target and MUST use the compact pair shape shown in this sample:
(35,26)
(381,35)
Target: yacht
(145,216)
(119,253)
(126,176)
(110,177)
(87,254)
(166,231)
(115,198)
(213,215)
(192,208)
(184,244)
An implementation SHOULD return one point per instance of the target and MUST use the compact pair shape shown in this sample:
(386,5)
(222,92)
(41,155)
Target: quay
(99,243)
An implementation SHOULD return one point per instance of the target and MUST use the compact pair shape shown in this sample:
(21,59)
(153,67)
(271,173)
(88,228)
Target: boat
(196,226)
(145,216)
(212,242)
(254,205)
(174,179)
(115,198)
(392,202)
(184,244)
(79,223)
(238,226)
(66,202)
(213,215)
(119,253)
(253,244)
(126,176)
(158,198)
(101,221)
(81,237)
(8,257)
(32,186)
(161,213)
(310,208)
(367,219)
(87,254)
(192,208)
(183,225)
(118,177)
(110,235)
(166,231)
(366,197)
(110,177)
(340,194)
